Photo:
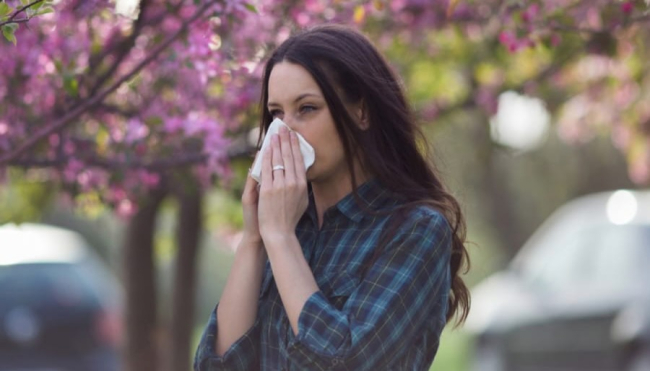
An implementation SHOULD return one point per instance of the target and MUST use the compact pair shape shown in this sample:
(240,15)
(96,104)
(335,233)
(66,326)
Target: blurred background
(127,128)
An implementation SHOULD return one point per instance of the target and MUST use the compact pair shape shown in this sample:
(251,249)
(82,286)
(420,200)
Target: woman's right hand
(249,200)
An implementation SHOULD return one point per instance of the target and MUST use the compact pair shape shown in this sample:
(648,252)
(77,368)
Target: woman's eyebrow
(298,99)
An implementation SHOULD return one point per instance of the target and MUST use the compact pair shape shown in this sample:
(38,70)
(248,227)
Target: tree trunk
(141,315)
(498,203)
(188,236)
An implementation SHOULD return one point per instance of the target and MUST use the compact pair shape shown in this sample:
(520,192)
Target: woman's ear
(361,114)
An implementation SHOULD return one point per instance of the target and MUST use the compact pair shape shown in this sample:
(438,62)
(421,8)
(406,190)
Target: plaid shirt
(383,315)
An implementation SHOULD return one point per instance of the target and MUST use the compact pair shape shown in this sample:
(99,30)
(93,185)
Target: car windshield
(605,256)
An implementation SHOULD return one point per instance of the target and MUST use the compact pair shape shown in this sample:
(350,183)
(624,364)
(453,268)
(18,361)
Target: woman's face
(295,97)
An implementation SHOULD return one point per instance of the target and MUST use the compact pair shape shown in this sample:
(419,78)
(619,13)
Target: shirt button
(335,362)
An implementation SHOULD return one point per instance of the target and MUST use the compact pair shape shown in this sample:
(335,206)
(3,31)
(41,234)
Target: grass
(454,351)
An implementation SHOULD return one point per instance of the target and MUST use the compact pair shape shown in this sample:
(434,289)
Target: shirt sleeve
(243,355)
(387,310)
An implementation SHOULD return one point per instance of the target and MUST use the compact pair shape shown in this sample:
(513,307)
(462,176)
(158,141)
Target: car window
(608,257)
(41,284)
(621,256)
(560,264)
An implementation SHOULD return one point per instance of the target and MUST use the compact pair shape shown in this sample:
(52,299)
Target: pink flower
(135,130)
(556,39)
(116,193)
(126,208)
(531,13)
(71,170)
(149,180)
(627,7)
(508,40)
(4,128)
(173,124)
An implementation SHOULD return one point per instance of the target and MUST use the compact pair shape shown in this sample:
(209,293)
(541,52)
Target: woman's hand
(249,200)
(283,192)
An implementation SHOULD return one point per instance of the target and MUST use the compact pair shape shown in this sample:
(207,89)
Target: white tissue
(306,149)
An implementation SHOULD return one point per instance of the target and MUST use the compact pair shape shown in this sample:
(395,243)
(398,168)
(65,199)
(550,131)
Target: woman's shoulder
(421,219)
(423,213)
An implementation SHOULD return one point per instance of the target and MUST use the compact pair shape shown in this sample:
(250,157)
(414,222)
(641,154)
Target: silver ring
(278,167)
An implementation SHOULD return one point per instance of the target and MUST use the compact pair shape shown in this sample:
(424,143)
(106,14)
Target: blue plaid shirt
(373,311)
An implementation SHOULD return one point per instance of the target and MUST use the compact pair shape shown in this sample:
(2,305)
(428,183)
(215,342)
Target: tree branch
(21,20)
(93,100)
(154,19)
(123,49)
(156,165)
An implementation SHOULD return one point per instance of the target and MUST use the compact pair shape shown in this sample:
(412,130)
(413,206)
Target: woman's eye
(275,113)
(307,108)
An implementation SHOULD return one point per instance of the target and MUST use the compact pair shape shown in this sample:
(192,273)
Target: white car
(576,296)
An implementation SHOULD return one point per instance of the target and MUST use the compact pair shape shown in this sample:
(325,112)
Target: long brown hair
(341,58)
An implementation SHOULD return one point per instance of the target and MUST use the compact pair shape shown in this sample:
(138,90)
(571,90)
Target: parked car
(576,296)
(59,304)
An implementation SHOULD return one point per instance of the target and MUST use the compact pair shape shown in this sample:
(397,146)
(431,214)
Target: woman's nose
(289,121)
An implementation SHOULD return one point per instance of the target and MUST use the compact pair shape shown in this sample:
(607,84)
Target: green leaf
(13,26)
(71,85)
(8,31)
(45,10)
(38,5)
(4,9)
(154,121)
(251,7)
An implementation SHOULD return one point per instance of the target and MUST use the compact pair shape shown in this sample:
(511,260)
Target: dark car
(59,305)
(576,296)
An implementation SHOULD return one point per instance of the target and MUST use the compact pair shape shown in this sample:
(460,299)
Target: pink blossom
(116,193)
(173,124)
(530,13)
(627,7)
(135,130)
(126,208)
(148,179)
(4,128)
(509,40)
(72,170)
(92,179)
(556,39)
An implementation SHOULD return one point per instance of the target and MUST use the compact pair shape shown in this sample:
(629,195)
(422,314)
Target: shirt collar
(372,194)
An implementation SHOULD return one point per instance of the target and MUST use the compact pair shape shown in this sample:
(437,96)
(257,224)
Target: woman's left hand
(283,192)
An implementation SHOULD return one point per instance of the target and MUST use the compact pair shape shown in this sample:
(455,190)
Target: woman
(353,264)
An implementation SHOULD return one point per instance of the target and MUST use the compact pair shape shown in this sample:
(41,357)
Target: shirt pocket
(337,286)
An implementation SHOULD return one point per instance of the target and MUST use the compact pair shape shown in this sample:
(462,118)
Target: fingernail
(293,134)
(283,129)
